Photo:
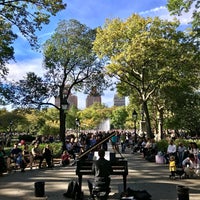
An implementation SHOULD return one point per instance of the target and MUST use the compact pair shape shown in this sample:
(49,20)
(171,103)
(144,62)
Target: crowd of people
(20,156)
(178,156)
(182,157)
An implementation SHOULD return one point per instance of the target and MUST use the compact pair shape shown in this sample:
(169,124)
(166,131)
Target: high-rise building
(119,101)
(92,99)
(72,100)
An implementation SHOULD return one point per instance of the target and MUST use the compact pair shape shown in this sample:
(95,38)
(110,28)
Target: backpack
(73,191)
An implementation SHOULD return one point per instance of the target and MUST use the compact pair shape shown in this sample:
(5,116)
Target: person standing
(172,167)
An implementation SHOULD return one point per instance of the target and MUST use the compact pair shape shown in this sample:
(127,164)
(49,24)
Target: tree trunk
(62,128)
(147,120)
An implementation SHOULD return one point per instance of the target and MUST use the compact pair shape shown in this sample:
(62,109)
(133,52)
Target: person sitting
(101,169)
(181,153)
(189,165)
(65,158)
(47,154)
(37,155)
(16,157)
(171,151)
(70,148)
(27,156)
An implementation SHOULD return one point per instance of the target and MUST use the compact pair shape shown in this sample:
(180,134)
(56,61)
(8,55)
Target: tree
(178,7)
(29,16)
(184,111)
(7,51)
(146,55)
(12,121)
(70,65)
(92,116)
(118,117)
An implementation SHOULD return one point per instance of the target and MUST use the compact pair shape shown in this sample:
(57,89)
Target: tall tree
(145,55)
(178,7)
(70,64)
(92,116)
(29,16)
(118,117)
(6,50)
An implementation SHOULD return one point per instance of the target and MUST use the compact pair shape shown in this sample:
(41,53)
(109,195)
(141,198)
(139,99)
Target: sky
(92,13)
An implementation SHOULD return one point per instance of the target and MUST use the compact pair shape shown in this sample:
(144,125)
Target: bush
(162,145)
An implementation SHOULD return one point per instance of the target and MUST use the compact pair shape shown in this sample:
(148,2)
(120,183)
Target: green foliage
(12,121)
(55,147)
(92,116)
(183,141)
(70,61)
(29,16)
(6,40)
(143,56)
(162,145)
(186,111)
(179,7)
(30,93)
(48,130)
(118,117)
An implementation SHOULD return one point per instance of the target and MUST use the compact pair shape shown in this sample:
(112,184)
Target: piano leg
(80,181)
(124,182)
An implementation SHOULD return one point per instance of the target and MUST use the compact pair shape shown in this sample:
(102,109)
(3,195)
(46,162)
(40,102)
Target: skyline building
(92,99)
(72,100)
(119,101)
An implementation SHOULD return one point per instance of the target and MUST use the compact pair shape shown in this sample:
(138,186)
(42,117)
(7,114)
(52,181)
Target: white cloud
(18,70)
(163,13)
(153,11)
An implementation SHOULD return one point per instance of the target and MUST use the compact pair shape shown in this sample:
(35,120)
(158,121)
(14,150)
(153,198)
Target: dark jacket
(102,168)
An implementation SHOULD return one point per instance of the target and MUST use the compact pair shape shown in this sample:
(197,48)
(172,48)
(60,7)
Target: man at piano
(102,170)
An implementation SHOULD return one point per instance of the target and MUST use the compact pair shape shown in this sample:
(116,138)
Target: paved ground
(143,175)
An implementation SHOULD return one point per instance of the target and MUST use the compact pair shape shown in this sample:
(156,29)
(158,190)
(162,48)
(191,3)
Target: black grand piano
(84,165)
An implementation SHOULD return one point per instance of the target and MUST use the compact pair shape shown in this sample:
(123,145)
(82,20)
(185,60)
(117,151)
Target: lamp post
(134,115)
(77,121)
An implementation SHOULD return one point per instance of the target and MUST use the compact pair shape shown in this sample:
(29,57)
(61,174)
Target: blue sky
(92,13)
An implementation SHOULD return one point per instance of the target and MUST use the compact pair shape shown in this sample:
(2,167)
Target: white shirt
(191,164)
(171,148)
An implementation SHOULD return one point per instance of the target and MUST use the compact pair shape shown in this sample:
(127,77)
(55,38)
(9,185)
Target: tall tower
(72,99)
(93,97)
(119,101)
